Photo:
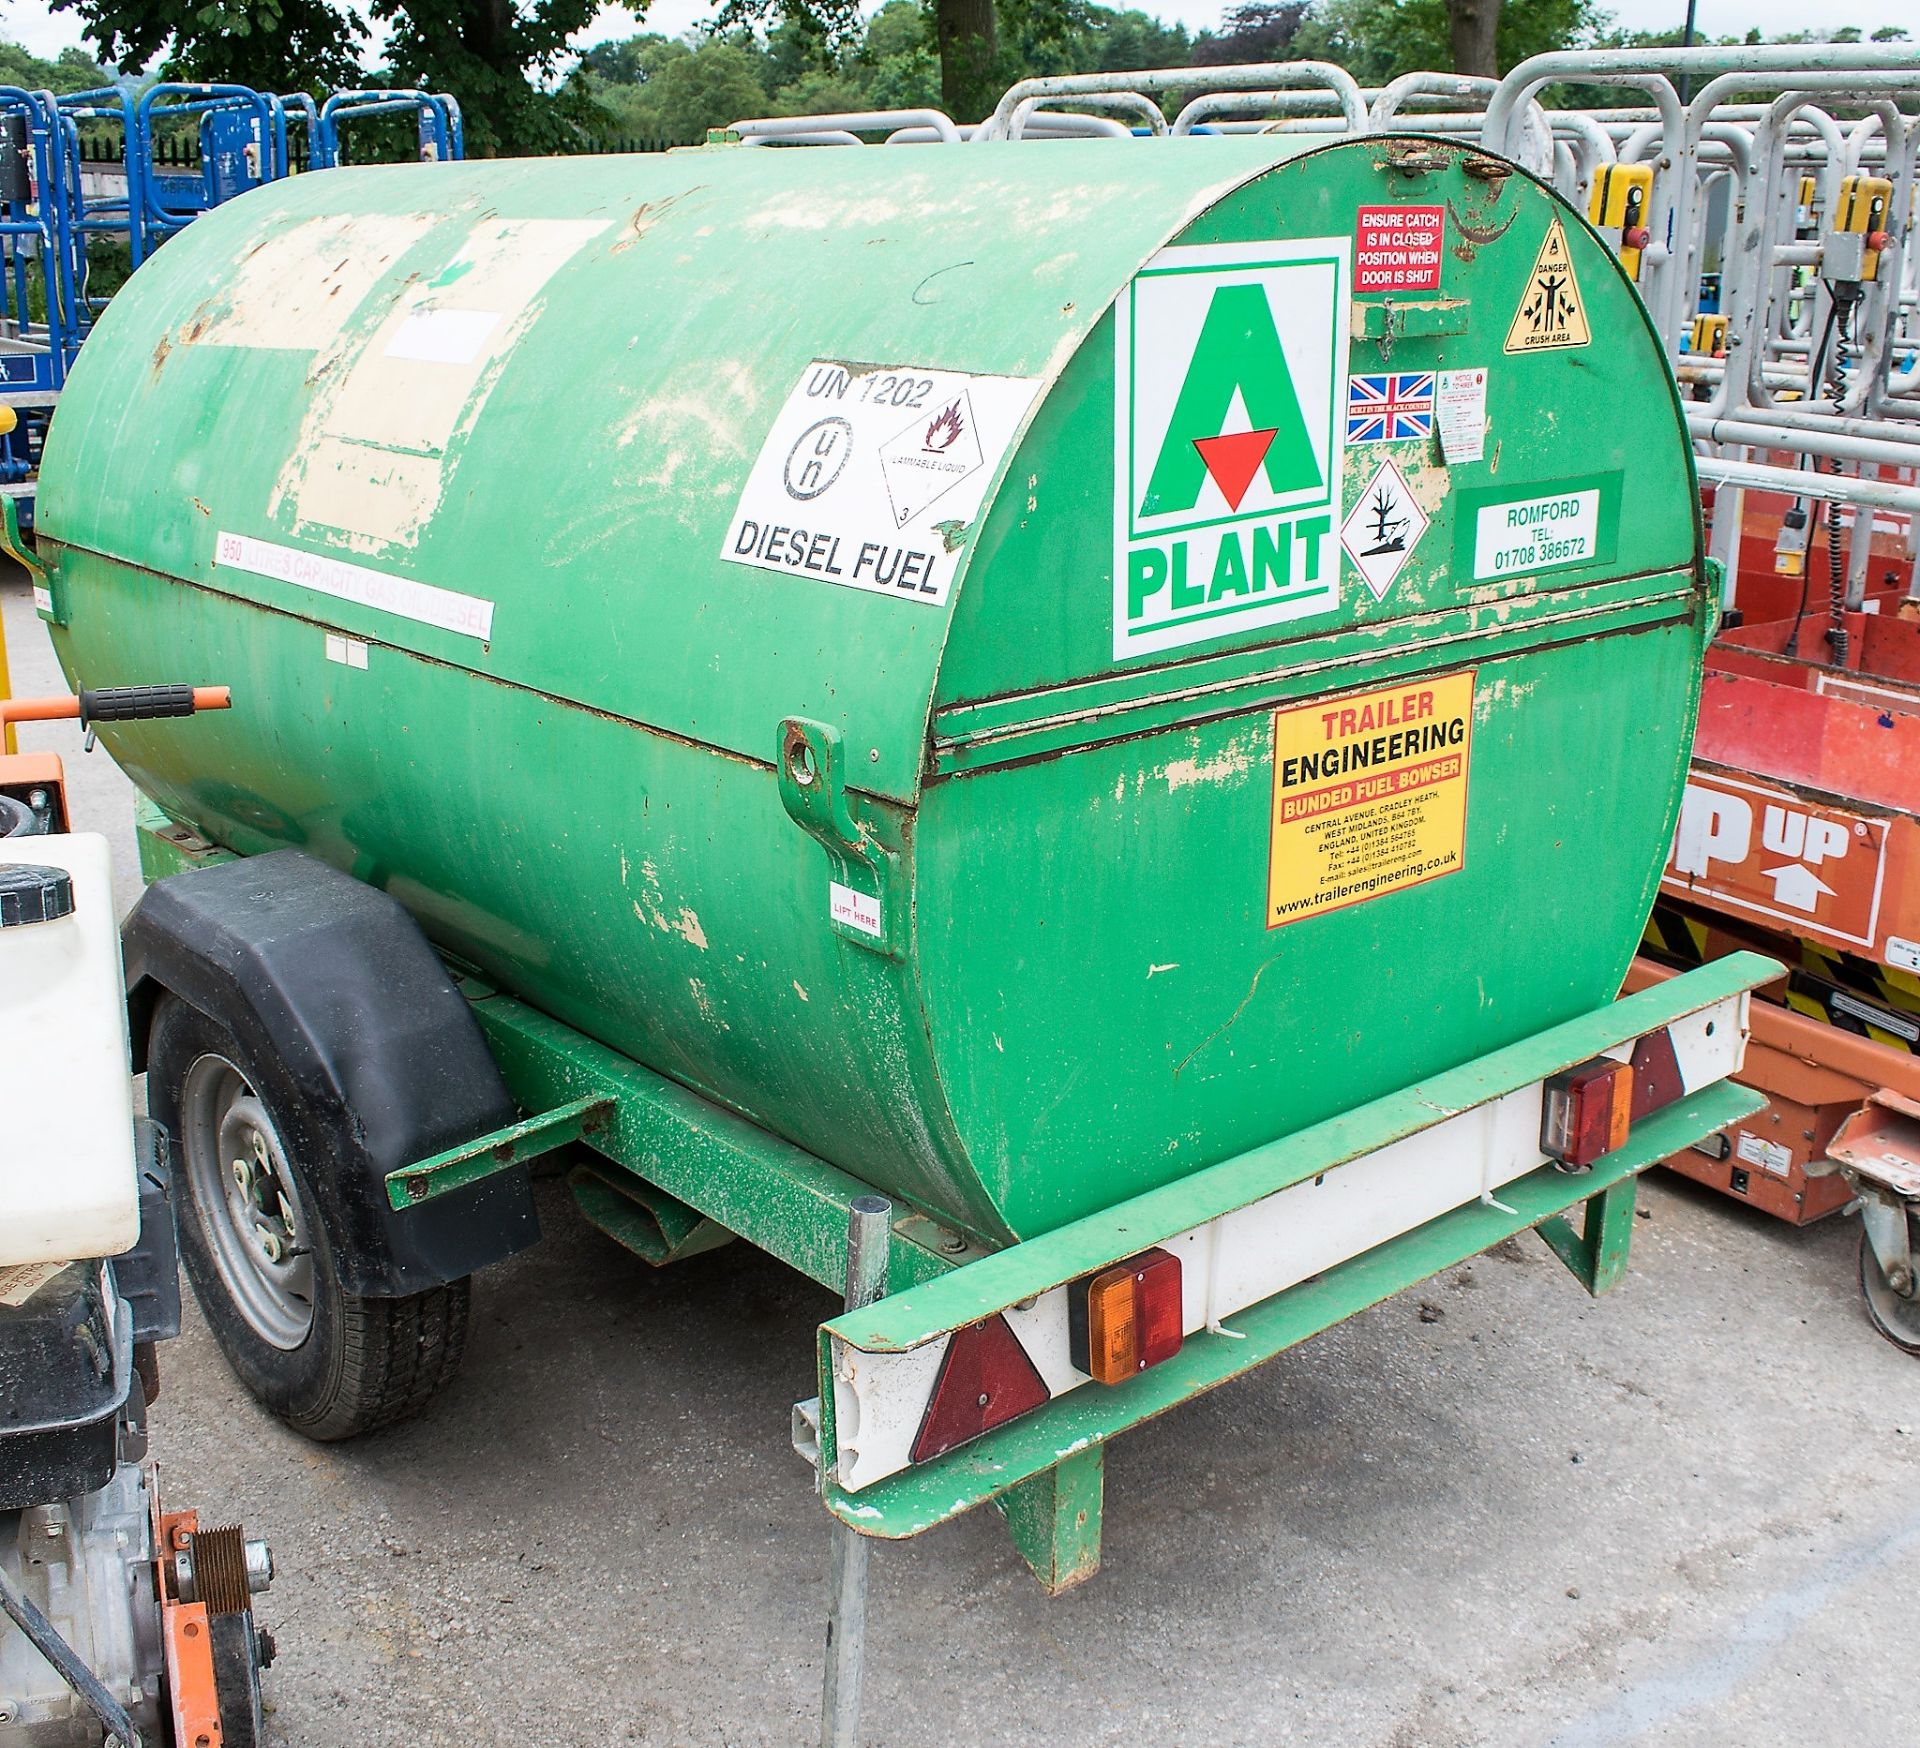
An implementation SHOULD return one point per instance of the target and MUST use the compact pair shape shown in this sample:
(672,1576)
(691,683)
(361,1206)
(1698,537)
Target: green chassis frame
(674,1173)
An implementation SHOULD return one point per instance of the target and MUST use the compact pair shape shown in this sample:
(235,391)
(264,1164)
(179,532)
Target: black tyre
(327,1362)
(1895,1314)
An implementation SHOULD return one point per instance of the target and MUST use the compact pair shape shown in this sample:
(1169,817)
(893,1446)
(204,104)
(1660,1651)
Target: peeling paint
(1429,486)
(1225,768)
(296,290)
(369,465)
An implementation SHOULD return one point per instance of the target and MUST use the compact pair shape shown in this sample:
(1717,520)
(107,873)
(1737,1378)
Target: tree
(74,70)
(981,46)
(1377,40)
(708,88)
(272,45)
(1256,30)
(1473,29)
(482,51)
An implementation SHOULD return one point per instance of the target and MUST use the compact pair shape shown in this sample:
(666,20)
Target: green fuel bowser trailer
(1127,698)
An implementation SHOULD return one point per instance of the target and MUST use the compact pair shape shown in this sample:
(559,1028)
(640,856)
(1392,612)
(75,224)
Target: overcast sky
(47,32)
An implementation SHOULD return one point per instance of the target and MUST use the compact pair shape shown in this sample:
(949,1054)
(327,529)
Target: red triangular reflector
(1656,1074)
(985,1381)
(1233,460)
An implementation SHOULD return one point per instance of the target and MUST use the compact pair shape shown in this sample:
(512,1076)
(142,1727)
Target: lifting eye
(800,760)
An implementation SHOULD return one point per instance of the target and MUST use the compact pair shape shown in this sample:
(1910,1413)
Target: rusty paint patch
(646,215)
(1477,235)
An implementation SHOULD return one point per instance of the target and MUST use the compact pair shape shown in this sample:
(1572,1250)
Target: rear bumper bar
(1276,1245)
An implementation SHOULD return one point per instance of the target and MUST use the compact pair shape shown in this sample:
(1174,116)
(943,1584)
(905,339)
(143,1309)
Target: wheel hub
(248,1201)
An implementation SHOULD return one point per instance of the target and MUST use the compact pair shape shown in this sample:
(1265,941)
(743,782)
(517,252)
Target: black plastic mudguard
(383,1062)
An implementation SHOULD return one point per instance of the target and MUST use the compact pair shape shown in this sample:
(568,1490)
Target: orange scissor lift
(1798,836)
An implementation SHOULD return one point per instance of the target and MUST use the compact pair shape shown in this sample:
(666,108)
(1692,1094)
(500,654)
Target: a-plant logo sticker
(1230,372)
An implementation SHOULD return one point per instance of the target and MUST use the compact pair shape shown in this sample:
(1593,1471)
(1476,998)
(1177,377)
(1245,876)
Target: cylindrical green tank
(1024,669)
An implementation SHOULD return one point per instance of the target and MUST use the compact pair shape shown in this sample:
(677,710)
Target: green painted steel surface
(1082,998)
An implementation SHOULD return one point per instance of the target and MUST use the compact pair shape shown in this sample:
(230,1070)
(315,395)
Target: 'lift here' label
(873,476)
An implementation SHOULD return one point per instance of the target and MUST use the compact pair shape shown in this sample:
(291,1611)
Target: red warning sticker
(1397,248)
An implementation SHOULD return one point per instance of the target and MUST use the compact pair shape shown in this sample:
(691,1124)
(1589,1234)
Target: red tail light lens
(985,1381)
(1587,1111)
(1127,1317)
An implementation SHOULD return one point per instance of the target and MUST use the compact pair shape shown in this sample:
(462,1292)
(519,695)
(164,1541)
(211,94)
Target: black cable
(1815,375)
(1836,569)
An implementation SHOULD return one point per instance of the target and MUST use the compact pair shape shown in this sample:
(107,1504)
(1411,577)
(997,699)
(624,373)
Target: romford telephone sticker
(871,477)
(1525,535)
(1552,312)
(1369,795)
(1230,378)
(1382,529)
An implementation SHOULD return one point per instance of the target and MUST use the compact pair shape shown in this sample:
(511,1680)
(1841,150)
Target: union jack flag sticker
(1390,409)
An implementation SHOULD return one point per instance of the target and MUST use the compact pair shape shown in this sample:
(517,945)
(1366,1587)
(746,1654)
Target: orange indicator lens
(1129,1318)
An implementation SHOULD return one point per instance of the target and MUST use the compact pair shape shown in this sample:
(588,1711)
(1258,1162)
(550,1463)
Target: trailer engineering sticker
(872,475)
(1230,367)
(1369,795)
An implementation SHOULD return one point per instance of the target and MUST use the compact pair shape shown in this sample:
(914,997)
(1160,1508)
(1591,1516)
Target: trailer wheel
(328,1362)
(1895,1315)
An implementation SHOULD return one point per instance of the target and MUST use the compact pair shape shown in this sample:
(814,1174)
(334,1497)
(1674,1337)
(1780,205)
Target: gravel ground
(1673,1515)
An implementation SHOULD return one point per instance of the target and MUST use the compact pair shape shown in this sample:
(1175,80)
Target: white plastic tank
(68,1185)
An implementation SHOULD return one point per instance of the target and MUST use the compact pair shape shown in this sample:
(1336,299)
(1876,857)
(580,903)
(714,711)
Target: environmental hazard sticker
(1552,312)
(1369,795)
(871,476)
(1230,380)
(1383,528)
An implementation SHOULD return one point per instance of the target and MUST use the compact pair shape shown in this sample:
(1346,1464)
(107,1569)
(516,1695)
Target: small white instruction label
(871,477)
(1888,1021)
(1903,953)
(426,603)
(42,599)
(1460,412)
(443,336)
(1770,1156)
(855,909)
(349,652)
(1536,534)
(21,1281)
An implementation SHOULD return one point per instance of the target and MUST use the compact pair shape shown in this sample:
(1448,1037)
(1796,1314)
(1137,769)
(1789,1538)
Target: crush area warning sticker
(1552,313)
(1369,795)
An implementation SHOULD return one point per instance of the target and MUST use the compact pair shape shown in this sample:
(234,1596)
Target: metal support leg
(1055,1519)
(869,1226)
(1597,1253)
